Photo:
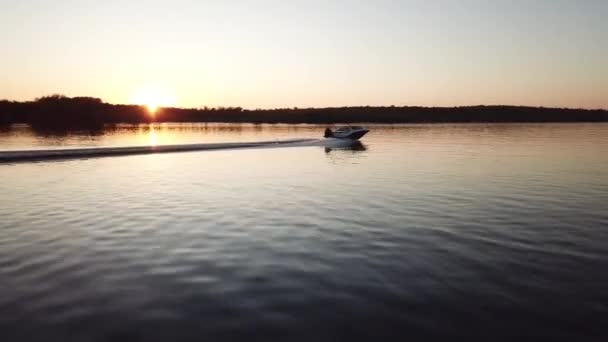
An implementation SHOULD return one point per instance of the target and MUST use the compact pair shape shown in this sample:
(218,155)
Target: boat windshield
(347,129)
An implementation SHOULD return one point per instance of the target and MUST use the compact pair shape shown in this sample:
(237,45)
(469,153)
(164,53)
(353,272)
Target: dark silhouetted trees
(61,112)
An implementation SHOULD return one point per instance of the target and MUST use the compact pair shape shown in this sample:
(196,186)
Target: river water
(424,232)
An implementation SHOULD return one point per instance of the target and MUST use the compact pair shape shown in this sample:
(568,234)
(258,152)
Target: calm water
(471,232)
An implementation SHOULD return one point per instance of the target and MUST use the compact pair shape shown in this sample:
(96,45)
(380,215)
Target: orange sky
(308,53)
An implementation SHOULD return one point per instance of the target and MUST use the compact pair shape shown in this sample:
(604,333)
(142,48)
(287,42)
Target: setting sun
(153,98)
(152,107)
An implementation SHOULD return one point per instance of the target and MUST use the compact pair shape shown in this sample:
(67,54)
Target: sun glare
(152,107)
(152,98)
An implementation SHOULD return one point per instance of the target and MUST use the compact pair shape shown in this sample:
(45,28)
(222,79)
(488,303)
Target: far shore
(60,112)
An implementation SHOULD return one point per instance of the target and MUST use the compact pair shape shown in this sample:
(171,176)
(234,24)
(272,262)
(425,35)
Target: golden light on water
(152,138)
(155,134)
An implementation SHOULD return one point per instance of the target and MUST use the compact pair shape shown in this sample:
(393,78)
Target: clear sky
(260,54)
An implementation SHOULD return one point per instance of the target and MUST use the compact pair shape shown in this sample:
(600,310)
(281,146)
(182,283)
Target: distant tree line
(61,112)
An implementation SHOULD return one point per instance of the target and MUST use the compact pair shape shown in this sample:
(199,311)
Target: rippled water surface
(465,232)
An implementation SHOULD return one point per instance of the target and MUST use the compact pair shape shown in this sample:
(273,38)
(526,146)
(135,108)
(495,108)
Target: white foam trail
(75,153)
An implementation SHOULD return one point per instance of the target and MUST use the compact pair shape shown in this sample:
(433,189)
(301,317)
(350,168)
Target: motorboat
(346,132)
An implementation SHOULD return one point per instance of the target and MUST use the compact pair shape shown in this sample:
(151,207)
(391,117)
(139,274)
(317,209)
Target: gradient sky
(260,54)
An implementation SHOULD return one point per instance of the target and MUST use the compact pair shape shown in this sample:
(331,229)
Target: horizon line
(202,107)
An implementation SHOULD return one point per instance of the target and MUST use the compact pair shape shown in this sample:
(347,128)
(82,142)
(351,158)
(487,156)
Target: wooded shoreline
(60,112)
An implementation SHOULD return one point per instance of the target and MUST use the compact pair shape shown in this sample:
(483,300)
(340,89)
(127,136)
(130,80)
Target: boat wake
(93,152)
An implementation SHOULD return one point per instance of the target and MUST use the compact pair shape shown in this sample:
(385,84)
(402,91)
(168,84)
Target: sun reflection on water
(155,135)
(152,137)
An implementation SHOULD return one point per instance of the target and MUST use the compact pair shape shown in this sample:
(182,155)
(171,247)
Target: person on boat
(328,133)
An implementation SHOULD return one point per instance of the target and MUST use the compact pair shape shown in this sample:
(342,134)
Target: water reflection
(59,133)
(152,138)
(351,153)
(420,233)
(19,137)
(355,146)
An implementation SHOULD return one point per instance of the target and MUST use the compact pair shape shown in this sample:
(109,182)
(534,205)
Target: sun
(152,107)
(153,98)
